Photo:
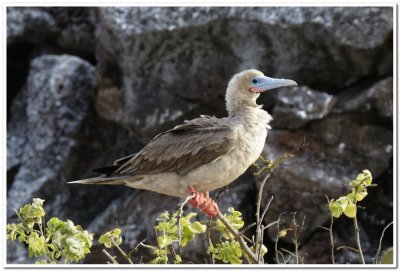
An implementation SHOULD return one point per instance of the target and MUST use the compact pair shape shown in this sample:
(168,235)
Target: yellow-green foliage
(109,238)
(347,205)
(167,234)
(58,241)
(229,250)
(226,251)
(234,218)
(387,256)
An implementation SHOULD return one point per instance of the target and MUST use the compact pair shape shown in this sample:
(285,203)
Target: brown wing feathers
(182,149)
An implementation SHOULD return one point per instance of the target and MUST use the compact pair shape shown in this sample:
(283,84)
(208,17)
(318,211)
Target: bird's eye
(254,81)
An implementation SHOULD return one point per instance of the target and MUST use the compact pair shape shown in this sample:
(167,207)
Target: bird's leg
(203,202)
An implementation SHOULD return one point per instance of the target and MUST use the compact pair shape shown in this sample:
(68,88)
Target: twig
(258,218)
(283,257)
(260,248)
(277,238)
(141,243)
(180,215)
(121,251)
(357,235)
(331,235)
(289,252)
(270,224)
(248,228)
(111,258)
(347,247)
(261,228)
(295,238)
(238,238)
(380,242)
(266,209)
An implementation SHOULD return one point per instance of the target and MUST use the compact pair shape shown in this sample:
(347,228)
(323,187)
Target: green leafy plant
(347,205)
(56,242)
(112,239)
(167,233)
(226,251)
(229,249)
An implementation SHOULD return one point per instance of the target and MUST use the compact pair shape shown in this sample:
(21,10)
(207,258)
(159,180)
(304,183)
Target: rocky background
(88,85)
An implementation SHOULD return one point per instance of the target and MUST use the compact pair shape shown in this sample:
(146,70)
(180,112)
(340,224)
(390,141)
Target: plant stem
(331,238)
(259,197)
(111,258)
(180,215)
(238,238)
(357,235)
(331,234)
(121,251)
(258,218)
(380,242)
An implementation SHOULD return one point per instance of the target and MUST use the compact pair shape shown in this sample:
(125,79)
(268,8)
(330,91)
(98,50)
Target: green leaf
(282,233)
(335,208)
(114,235)
(16,231)
(227,252)
(387,256)
(351,196)
(361,195)
(365,177)
(178,259)
(36,245)
(343,202)
(351,210)
(234,218)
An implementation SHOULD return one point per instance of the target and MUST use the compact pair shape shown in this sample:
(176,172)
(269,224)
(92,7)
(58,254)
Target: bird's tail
(116,180)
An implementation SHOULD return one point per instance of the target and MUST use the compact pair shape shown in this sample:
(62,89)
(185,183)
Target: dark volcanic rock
(29,24)
(71,28)
(53,115)
(161,65)
(376,100)
(55,136)
(76,29)
(298,106)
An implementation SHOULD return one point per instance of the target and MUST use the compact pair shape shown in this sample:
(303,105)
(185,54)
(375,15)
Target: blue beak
(265,83)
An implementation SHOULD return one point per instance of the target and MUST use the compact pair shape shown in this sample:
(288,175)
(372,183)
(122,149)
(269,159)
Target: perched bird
(202,154)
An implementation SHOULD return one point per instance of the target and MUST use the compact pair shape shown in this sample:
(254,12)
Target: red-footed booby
(202,154)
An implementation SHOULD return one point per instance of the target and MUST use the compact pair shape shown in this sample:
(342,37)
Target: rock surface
(151,60)
(88,85)
(298,106)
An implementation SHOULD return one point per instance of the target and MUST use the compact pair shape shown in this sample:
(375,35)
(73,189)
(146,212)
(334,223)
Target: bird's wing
(183,148)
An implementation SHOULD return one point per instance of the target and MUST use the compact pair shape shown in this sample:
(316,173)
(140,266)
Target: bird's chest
(229,167)
(251,142)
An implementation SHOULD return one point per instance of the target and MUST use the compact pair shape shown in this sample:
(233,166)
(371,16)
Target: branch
(180,215)
(357,234)
(121,251)
(331,234)
(380,242)
(238,238)
(258,218)
(111,258)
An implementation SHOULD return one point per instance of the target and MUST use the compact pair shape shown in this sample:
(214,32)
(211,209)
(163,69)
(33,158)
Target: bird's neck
(250,115)
(241,108)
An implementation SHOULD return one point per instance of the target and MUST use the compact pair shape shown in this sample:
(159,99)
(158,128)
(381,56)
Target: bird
(203,154)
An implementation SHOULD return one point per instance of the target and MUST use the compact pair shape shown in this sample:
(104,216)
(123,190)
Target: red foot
(203,202)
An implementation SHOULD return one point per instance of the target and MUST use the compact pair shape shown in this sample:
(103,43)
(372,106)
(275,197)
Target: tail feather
(116,180)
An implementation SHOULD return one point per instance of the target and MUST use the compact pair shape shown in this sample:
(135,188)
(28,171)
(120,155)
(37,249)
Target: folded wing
(182,149)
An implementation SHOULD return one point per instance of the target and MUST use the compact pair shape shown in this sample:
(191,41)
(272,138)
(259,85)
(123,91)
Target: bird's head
(245,87)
